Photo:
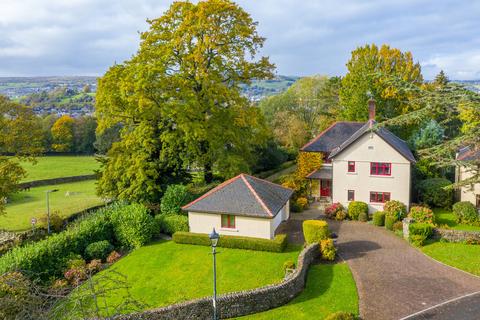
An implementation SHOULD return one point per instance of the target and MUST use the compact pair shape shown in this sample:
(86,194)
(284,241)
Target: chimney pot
(371,109)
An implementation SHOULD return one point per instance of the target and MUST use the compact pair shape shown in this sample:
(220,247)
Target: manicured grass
(164,272)
(59,166)
(462,256)
(27,204)
(330,288)
(446,217)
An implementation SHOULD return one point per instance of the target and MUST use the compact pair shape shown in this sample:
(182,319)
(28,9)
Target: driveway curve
(395,280)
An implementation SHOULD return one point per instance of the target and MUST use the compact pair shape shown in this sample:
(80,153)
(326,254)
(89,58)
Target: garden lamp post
(214,236)
(48,209)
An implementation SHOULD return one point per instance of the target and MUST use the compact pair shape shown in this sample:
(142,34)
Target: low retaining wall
(452,235)
(9,240)
(46,182)
(238,303)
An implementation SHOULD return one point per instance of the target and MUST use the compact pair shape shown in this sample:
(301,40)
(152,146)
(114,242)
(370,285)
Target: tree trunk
(208,172)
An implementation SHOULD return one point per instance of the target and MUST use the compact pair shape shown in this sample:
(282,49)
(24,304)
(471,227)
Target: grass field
(164,272)
(27,204)
(330,288)
(446,217)
(59,166)
(462,256)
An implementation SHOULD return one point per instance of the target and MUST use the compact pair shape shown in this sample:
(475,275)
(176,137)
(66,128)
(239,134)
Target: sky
(304,37)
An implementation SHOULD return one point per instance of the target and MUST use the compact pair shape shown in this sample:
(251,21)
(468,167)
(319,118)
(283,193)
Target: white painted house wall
(244,226)
(367,149)
(467,193)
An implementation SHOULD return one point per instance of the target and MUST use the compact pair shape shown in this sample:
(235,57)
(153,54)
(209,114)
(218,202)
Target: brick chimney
(371,109)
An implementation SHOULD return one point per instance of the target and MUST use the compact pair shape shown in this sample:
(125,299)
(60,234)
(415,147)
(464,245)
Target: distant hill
(263,88)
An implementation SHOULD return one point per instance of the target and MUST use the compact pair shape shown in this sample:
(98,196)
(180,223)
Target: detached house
(362,163)
(463,172)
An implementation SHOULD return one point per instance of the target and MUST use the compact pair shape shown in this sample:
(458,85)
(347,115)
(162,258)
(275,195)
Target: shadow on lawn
(319,279)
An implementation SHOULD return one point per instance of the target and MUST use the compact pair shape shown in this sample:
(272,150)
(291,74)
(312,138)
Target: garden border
(240,303)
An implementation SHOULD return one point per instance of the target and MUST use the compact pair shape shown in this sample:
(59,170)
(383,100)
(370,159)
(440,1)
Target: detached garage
(242,206)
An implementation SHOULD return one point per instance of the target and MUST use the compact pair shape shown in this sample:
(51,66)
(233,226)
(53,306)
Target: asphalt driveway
(395,280)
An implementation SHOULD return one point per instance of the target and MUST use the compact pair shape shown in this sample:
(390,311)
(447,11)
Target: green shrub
(46,258)
(175,197)
(421,214)
(363,217)
(379,218)
(420,229)
(98,250)
(133,225)
(433,192)
(315,230)
(327,249)
(340,316)
(355,208)
(397,226)
(465,212)
(341,215)
(278,244)
(169,224)
(417,240)
(394,208)
(389,222)
(289,265)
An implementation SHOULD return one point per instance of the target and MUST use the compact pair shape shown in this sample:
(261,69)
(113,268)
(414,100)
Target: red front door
(325,188)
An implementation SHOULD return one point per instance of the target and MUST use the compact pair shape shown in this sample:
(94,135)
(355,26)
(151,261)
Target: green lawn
(27,204)
(59,166)
(446,217)
(462,256)
(330,288)
(164,272)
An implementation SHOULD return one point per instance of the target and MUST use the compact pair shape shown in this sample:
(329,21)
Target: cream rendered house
(242,206)
(362,163)
(469,193)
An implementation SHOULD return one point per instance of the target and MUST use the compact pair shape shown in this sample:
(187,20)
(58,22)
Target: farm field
(50,167)
(164,272)
(71,198)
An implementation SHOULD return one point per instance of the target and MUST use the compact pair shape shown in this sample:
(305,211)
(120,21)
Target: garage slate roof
(325,172)
(243,195)
(467,154)
(332,137)
(394,141)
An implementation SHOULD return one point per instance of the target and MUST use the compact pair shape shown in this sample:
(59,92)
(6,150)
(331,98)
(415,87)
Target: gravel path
(395,280)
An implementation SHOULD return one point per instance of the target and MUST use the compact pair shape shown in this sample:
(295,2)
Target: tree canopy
(180,97)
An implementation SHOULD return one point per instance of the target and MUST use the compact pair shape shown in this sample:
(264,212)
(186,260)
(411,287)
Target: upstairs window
(380,168)
(228,221)
(379,197)
(351,166)
(351,195)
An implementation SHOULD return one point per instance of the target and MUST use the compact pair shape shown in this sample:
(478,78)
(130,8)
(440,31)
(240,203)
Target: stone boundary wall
(238,303)
(46,182)
(9,240)
(452,235)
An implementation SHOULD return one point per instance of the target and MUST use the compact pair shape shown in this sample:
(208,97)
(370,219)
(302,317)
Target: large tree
(181,93)
(62,134)
(20,138)
(369,70)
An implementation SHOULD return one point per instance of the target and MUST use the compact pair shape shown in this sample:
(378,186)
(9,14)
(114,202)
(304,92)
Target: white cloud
(48,37)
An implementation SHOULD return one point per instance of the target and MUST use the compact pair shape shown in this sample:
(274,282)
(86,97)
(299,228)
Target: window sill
(379,176)
(352,173)
(229,229)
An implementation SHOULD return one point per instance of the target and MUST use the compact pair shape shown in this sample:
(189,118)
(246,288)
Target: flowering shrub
(422,214)
(331,210)
(355,208)
(75,276)
(395,209)
(94,266)
(302,202)
(328,249)
(113,257)
(341,215)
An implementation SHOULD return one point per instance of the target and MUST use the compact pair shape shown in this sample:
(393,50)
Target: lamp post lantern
(48,209)
(214,236)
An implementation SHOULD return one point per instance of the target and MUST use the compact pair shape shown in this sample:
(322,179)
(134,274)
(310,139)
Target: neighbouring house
(242,206)
(362,162)
(471,192)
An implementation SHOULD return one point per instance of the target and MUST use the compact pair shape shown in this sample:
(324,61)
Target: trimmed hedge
(98,250)
(379,218)
(171,223)
(278,244)
(315,230)
(133,225)
(355,208)
(465,212)
(433,192)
